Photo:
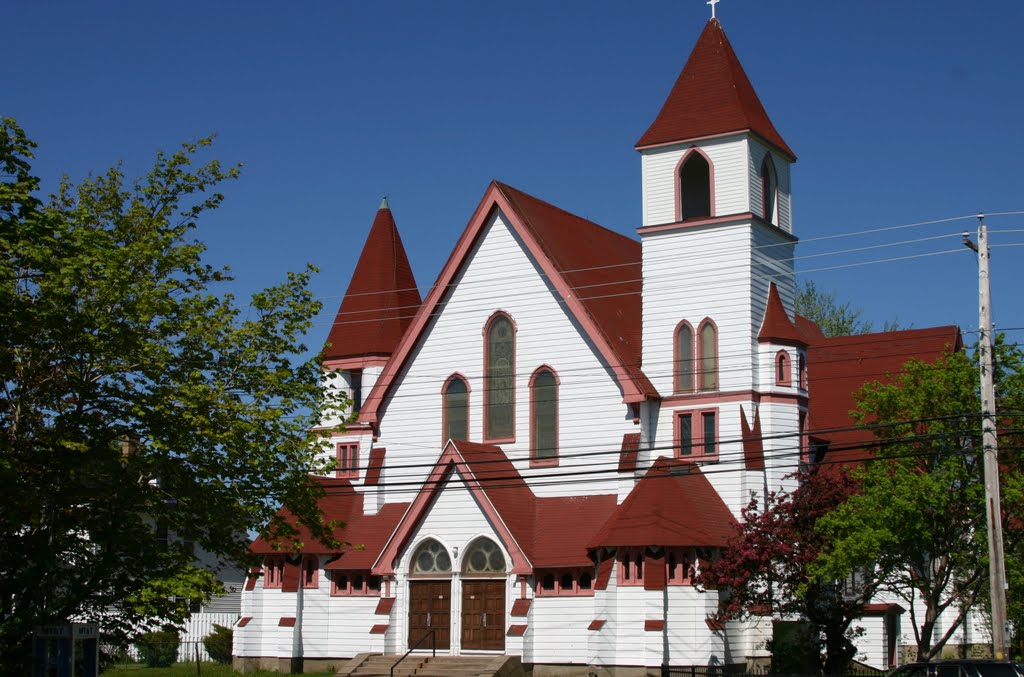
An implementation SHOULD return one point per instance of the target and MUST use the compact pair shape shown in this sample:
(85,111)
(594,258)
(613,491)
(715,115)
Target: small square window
(348,460)
(697,442)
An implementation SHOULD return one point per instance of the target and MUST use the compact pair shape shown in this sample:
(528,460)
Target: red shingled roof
(553,532)
(673,505)
(712,96)
(839,366)
(599,284)
(366,534)
(776,326)
(605,273)
(381,299)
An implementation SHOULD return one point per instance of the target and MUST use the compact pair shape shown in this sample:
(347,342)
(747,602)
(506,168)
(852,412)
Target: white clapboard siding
(728,156)
(591,412)
(558,629)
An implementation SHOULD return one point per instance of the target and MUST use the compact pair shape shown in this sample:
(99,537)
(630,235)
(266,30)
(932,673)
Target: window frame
(678,359)
(629,567)
(802,370)
(558,590)
(273,572)
(350,590)
(684,571)
(783,368)
(348,468)
(697,436)
(445,434)
(701,347)
(685,158)
(554,459)
(306,580)
(488,436)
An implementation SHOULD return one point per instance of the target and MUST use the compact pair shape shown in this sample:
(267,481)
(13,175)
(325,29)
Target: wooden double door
(483,614)
(430,608)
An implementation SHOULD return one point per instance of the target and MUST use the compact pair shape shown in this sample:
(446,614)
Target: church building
(550,445)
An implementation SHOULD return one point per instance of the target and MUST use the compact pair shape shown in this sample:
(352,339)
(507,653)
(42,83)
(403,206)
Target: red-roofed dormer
(712,97)
(380,302)
(776,326)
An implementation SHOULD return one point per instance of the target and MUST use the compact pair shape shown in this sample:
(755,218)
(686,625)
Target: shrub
(158,649)
(218,643)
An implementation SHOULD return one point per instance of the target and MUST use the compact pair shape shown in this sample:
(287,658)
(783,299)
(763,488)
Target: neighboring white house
(552,441)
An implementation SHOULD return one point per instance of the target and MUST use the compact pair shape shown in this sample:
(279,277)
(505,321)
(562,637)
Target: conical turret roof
(381,299)
(712,96)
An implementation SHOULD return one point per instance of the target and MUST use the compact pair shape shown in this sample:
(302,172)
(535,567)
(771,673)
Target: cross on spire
(712,3)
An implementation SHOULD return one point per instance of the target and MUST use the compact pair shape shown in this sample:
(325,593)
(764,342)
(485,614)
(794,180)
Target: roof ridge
(504,187)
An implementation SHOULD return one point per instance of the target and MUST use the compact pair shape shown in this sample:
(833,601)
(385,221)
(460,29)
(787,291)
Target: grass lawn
(189,670)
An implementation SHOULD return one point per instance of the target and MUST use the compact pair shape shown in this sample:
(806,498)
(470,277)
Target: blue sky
(899,112)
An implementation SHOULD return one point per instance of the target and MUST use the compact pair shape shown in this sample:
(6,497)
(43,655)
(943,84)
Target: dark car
(961,668)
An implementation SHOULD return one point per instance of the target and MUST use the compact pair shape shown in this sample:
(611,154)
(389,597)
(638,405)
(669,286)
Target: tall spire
(381,299)
(711,97)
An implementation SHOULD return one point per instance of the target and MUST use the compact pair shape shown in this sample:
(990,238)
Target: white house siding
(689,274)
(747,640)
(592,417)
(728,155)
(771,261)
(558,628)
(781,454)
(783,192)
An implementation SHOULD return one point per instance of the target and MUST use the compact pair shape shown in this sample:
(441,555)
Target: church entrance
(430,609)
(483,615)
(483,597)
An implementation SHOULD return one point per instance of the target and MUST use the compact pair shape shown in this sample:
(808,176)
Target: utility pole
(989,443)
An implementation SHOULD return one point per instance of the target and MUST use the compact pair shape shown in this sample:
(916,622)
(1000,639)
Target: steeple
(381,299)
(712,97)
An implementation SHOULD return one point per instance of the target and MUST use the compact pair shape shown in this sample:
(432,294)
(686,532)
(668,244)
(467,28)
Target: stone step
(430,666)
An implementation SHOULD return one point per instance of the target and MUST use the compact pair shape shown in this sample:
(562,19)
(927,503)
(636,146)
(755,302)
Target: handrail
(433,649)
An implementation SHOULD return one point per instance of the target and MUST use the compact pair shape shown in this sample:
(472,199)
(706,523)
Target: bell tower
(717,238)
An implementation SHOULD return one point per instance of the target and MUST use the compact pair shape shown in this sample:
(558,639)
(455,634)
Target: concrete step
(430,666)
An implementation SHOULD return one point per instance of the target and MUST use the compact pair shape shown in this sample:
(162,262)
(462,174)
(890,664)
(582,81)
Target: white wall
(501,276)
(728,156)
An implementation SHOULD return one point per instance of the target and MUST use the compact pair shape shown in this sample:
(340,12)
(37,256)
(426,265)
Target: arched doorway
(483,597)
(430,596)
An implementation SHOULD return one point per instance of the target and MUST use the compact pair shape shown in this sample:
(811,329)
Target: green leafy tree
(918,521)
(135,400)
(832,317)
(766,570)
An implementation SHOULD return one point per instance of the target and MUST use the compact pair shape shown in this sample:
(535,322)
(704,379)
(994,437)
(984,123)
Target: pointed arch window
(455,396)
(544,416)
(783,369)
(694,188)
(483,558)
(684,365)
(707,355)
(802,371)
(499,379)
(431,559)
(769,189)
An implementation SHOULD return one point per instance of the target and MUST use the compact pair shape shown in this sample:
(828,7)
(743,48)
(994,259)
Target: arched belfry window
(707,355)
(694,193)
(499,378)
(769,189)
(431,559)
(455,397)
(544,416)
(683,349)
(483,558)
